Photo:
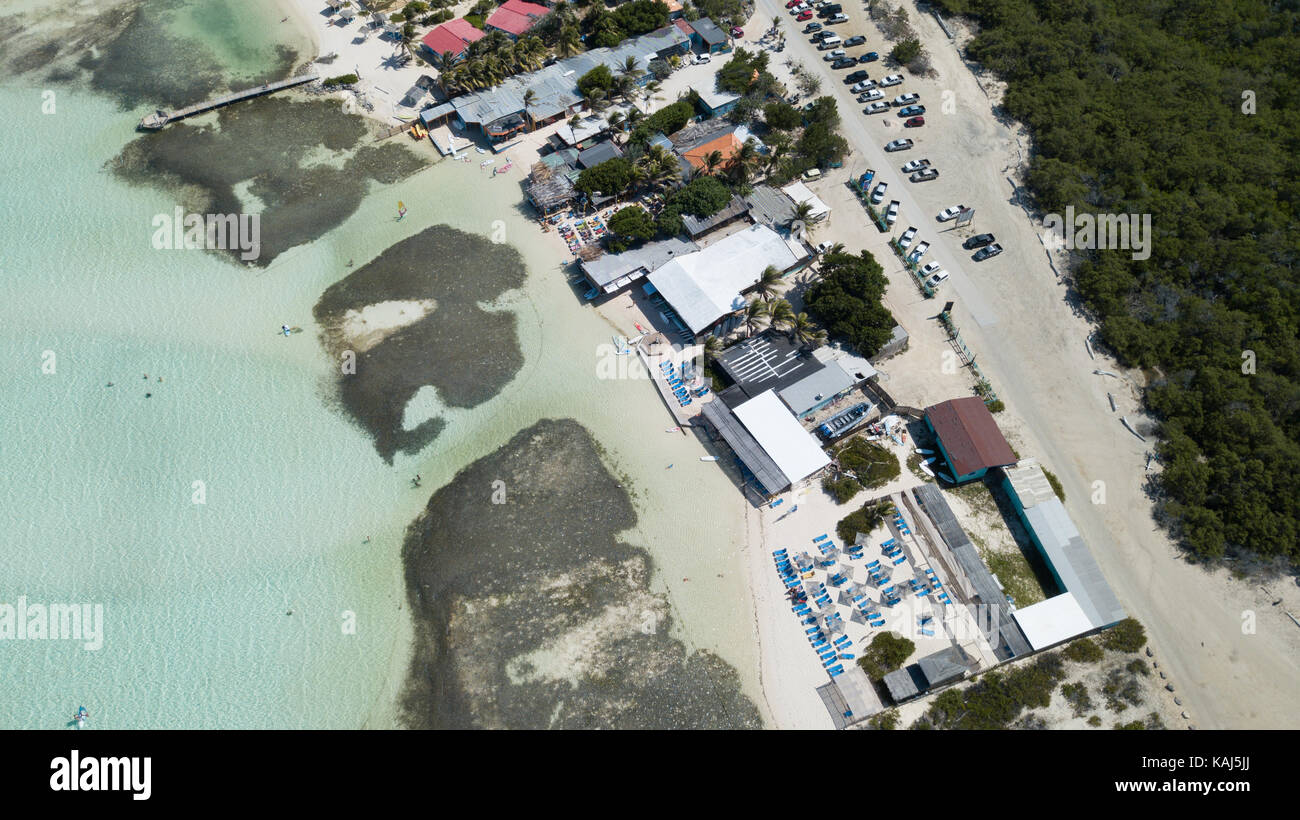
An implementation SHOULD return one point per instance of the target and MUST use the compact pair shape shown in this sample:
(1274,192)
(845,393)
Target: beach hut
(335,5)
(347,14)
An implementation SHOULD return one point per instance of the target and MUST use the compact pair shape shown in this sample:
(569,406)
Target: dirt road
(1015,316)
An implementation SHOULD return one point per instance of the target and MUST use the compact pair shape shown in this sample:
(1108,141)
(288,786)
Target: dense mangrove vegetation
(1186,111)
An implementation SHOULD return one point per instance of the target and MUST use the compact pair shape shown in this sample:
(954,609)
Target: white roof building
(1050,622)
(705,286)
(778,432)
(800,194)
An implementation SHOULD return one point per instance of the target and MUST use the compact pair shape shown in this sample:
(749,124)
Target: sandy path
(1014,315)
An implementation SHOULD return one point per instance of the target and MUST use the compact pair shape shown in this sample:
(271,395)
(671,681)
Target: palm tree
(801,213)
(712,347)
(570,40)
(754,314)
(780,313)
(769,282)
(744,161)
(630,69)
(711,161)
(803,330)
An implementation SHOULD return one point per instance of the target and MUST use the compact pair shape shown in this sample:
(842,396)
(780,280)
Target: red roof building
(452,36)
(968,436)
(516,17)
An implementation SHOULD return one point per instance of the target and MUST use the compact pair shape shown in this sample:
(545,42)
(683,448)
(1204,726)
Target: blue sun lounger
(821,537)
(835,670)
(928,632)
(900,559)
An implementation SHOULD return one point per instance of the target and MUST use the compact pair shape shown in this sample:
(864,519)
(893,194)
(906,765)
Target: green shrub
(1077,696)
(1084,650)
(1094,721)
(886,652)
(863,520)
(841,489)
(906,51)
(874,466)
(997,406)
(1055,482)
(885,721)
(1125,636)
(342,79)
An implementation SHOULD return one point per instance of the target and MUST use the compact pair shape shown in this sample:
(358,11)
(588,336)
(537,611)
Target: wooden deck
(158,119)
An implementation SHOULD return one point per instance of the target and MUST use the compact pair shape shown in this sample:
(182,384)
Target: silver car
(906,99)
(876,107)
(892,79)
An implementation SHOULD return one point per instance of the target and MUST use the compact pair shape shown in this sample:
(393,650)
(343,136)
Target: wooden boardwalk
(158,119)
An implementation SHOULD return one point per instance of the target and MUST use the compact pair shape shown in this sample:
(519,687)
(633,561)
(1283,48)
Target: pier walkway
(158,119)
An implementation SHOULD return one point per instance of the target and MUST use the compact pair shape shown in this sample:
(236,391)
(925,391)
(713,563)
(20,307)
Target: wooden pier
(158,119)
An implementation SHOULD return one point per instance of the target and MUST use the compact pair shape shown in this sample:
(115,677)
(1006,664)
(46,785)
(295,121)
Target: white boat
(925,452)
(927,470)
(708,458)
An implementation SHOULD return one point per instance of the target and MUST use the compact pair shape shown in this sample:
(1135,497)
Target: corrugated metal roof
(746,447)
(816,388)
(709,31)
(769,206)
(970,436)
(649,257)
(901,686)
(931,499)
(696,225)
(944,666)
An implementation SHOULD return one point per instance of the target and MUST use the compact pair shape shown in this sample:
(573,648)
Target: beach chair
(821,537)
(928,632)
(889,543)
(900,559)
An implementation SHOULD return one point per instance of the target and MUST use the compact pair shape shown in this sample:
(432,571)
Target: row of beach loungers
(830,650)
(676,385)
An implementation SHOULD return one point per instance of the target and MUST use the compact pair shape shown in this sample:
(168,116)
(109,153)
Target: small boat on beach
(708,458)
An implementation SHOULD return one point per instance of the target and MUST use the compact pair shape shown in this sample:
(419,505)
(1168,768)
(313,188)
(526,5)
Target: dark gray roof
(746,447)
(901,684)
(643,260)
(696,225)
(815,388)
(598,153)
(769,206)
(709,31)
(1012,641)
(942,667)
(768,361)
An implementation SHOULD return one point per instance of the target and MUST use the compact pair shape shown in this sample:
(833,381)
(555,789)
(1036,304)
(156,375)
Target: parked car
(828,43)
(869,57)
(811,27)
(978,241)
(950,213)
(916,165)
(865,179)
(844,62)
(875,107)
(891,213)
(906,238)
(929,268)
(856,77)
(737,32)
(871,95)
(892,79)
(914,122)
(700,59)
(911,110)
(835,55)
(878,195)
(829,10)
(792,3)
(823,247)
(855,40)
(937,278)
(898,145)
(811,174)
(905,99)
(865,85)
(986,253)
(803,15)
(918,252)
(837,19)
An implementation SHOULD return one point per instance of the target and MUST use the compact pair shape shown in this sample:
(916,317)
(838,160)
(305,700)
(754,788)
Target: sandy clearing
(1035,356)
(363,329)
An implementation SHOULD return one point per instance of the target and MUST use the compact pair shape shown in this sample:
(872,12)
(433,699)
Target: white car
(878,195)
(891,213)
(929,269)
(951,213)
(918,252)
(937,279)
(837,19)
(824,247)
(865,85)
(898,145)
(875,107)
(916,165)
(871,95)
(834,55)
(892,79)
(906,238)
(700,59)
(906,99)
